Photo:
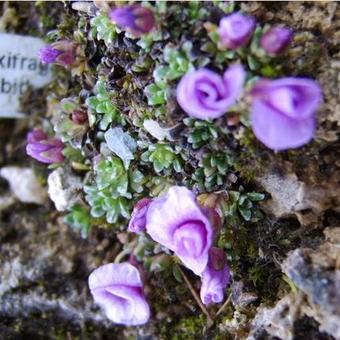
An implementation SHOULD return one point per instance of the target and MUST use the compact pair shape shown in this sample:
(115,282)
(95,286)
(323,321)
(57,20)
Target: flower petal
(115,274)
(138,217)
(168,213)
(234,78)
(297,98)
(132,310)
(277,131)
(215,277)
(205,94)
(117,288)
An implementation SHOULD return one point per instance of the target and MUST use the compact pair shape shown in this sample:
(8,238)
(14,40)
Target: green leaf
(79,218)
(255,196)
(246,214)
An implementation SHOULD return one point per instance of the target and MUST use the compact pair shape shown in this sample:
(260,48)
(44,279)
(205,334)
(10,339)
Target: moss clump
(189,328)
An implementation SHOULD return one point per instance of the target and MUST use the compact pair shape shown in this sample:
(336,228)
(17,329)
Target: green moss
(188,328)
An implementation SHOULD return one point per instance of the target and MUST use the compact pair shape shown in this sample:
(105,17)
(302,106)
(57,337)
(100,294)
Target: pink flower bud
(79,117)
(62,53)
(235,30)
(215,277)
(138,218)
(276,39)
(136,19)
(44,149)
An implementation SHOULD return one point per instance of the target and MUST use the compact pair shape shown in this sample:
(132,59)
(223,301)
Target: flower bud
(138,218)
(48,54)
(61,53)
(276,39)
(79,117)
(44,149)
(136,19)
(215,277)
(235,30)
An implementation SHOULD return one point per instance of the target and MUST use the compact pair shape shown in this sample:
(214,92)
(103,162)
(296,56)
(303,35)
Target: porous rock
(63,188)
(24,184)
(316,272)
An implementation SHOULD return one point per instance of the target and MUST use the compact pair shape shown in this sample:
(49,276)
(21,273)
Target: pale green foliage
(163,157)
(176,63)
(102,104)
(113,189)
(242,203)
(103,29)
(79,218)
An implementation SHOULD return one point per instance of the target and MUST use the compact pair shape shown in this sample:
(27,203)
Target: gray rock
(277,321)
(24,184)
(121,143)
(292,197)
(63,188)
(317,274)
(44,272)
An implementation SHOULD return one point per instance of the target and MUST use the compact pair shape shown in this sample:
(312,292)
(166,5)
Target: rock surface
(63,188)
(24,184)
(317,274)
(44,275)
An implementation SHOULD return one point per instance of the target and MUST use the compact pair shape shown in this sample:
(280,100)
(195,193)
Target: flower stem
(223,306)
(196,297)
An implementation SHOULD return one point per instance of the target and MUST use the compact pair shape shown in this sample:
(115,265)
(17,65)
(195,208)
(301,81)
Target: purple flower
(235,30)
(276,39)
(138,219)
(283,111)
(176,221)
(48,54)
(44,149)
(215,277)
(138,20)
(61,53)
(205,94)
(118,289)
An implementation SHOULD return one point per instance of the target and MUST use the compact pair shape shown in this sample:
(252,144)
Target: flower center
(285,100)
(190,239)
(238,28)
(123,299)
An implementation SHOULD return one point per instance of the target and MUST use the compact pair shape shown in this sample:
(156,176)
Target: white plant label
(20,68)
